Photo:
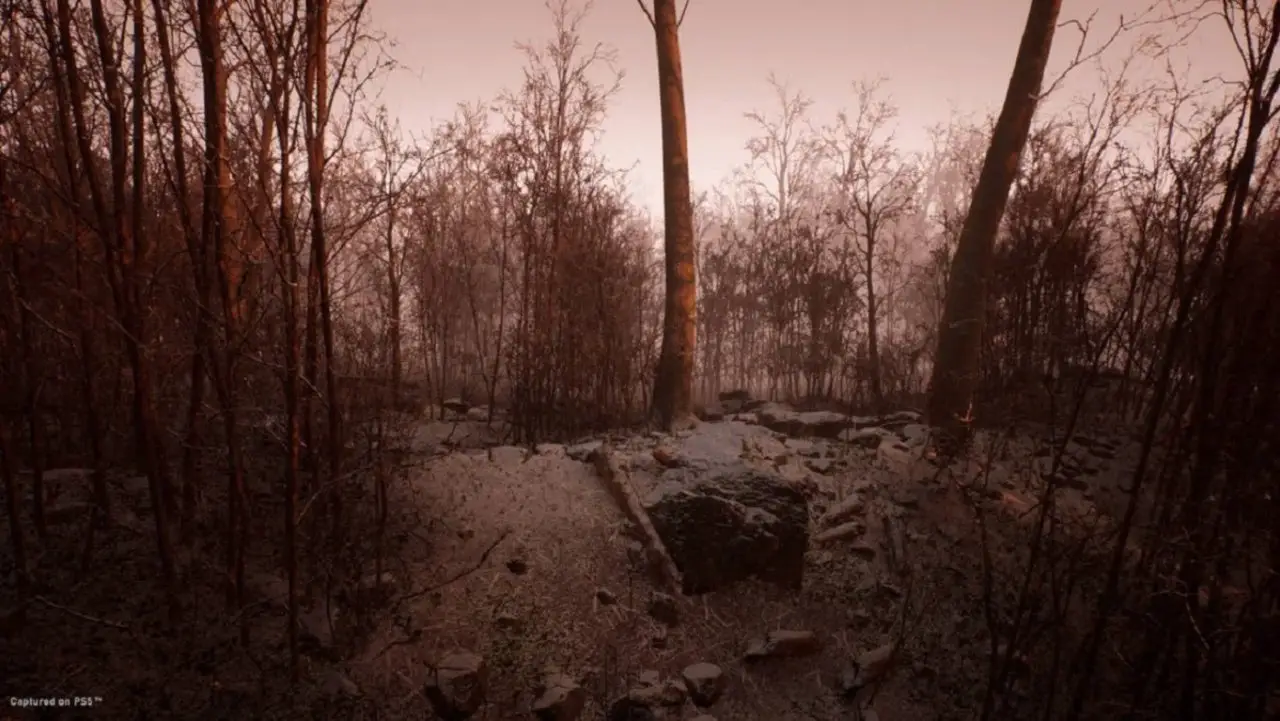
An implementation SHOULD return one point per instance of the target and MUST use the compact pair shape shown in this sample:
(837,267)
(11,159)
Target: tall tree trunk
(203,336)
(955,367)
(214,220)
(873,310)
(317,116)
(673,384)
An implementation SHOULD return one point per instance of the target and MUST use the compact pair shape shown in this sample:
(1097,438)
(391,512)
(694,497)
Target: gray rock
(663,609)
(844,531)
(582,451)
(457,686)
(812,424)
(784,644)
(705,681)
(455,405)
(730,523)
(851,506)
(560,698)
(710,412)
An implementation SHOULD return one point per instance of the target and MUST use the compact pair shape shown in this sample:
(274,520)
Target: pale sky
(937,55)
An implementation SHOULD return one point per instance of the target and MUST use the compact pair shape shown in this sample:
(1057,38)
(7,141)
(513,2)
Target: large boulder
(811,424)
(728,522)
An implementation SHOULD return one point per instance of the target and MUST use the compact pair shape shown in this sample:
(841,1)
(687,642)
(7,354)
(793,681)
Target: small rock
(710,412)
(841,532)
(844,510)
(663,609)
(560,699)
(863,550)
(628,709)
(705,682)
(478,415)
(605,597)
(661,693)
(455,405)
(784,644)
(660,638)
(335,684)
(554,450)
(456,687)
(507,622)
(582,451)
(517,566)
(873,665)
(666,457)
(906,497)
(823,466)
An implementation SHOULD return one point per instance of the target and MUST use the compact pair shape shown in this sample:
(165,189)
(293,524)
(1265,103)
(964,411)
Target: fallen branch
(667,576)
(82,616)
(457,576)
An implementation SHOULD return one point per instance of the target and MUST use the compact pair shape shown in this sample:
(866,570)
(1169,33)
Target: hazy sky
(936,55)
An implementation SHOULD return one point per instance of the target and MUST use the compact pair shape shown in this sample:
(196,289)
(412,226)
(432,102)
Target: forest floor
(522,556)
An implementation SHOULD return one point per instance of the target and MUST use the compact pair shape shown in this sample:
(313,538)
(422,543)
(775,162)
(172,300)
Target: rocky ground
(838,574)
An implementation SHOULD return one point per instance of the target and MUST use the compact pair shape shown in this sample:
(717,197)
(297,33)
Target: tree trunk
(203,335)
(955,367)
(316,106)
(673,384)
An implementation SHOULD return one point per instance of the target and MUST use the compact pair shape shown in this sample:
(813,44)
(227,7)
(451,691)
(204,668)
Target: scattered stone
(862,550)
(844,510)
(813,424)
(784,644)
(517,566)
(868,438)
(456,687)
(906,497)
(560,698)
(335,684)
(867,669)
(628,709)
(711,412)
(479,414)
(455,405)
(844,531)
(705,681)
(660,693)
(663,609)
(666,457)
(605,597)
(554,450)
(581,452)
(507,622)
(802,447)
(820,465)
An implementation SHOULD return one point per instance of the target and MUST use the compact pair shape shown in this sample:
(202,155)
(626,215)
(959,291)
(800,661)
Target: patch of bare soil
(522,557)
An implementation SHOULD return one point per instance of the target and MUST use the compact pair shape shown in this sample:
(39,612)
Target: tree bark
(673,384)
(955,367)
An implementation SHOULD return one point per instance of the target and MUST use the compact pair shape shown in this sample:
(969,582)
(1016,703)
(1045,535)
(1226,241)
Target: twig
(82,616)
(457,576)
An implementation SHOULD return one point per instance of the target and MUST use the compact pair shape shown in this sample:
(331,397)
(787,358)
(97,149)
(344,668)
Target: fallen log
(616,481)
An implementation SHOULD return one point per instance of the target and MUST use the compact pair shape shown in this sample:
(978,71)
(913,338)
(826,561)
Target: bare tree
(960,337)
(673,384)
(878,189)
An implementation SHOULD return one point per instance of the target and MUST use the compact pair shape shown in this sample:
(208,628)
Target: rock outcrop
(729,523)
